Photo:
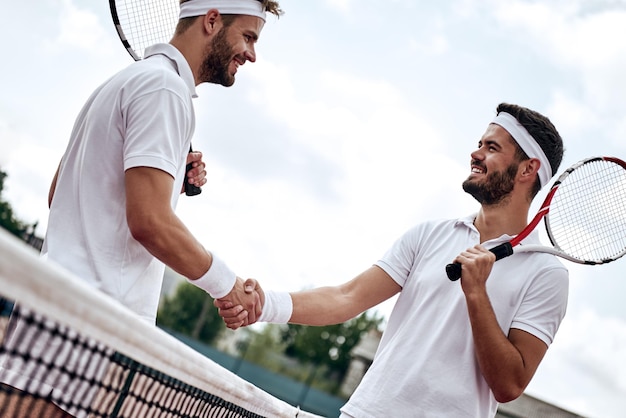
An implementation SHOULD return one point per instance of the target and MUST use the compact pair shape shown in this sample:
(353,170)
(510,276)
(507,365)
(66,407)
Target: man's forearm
(501,364)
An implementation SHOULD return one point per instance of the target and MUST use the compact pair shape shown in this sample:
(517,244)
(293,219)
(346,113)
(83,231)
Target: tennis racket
(141,23)
(584,214)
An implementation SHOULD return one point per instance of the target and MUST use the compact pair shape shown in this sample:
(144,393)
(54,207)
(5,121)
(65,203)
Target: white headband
(194,8)
(526,143)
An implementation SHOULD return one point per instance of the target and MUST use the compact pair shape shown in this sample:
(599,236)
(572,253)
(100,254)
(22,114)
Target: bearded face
(494,188)
(218,57)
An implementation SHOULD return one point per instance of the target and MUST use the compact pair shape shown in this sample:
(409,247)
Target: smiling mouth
(476,167)
(238,63)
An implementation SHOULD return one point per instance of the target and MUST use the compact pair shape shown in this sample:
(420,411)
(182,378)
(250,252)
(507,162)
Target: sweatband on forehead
(526,143)
(194,8)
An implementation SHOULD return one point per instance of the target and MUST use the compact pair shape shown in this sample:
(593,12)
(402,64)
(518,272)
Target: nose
(476,155)
(250,54)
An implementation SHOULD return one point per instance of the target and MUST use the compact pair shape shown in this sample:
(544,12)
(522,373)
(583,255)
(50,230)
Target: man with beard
(454,349)
(112,200)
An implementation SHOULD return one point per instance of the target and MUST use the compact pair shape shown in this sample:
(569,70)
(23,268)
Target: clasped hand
(476,264)
(197,174)
(243,305)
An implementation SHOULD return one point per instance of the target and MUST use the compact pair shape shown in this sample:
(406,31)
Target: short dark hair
(542,130)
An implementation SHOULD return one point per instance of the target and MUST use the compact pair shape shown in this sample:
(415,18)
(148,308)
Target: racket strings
(146,23)
(587,218)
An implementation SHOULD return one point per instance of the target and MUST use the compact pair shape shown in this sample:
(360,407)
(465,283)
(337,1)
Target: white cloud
(343,6)
(587,43)
(352,131)
(78,28)
(7,145)
(589,350)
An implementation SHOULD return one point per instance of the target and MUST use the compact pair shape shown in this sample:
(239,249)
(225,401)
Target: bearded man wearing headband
(454,349)
(112,200)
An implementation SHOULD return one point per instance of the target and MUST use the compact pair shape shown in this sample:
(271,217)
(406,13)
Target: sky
(355,123)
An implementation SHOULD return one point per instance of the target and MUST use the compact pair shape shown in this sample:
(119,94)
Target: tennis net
(91,357)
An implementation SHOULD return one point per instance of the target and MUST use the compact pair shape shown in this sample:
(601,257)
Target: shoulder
(157,72)
(434,225)
(154,73)
(549,278)
(432,232)
(442,229)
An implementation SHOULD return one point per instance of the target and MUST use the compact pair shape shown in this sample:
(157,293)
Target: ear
(529,169)
(210,21)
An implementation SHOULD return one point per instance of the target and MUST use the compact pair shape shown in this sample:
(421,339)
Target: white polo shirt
(425,365)
(142,116)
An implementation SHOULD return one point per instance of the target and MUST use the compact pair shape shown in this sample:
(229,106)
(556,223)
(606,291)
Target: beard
(497,186)
(217,60)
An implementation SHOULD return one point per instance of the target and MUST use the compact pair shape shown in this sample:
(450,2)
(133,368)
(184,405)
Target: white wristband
(218,281)
(278,307)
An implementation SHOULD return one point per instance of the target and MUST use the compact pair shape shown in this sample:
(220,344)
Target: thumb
(250,285)
(194,156)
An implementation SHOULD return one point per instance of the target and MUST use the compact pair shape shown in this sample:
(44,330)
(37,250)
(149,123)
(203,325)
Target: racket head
(141,23)
(587,216)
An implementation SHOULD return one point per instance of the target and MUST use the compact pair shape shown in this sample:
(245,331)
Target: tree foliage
(190,311)
(330,345)
(7,218)
(263,345)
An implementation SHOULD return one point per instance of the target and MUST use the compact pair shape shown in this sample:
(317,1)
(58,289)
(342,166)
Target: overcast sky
(355,123)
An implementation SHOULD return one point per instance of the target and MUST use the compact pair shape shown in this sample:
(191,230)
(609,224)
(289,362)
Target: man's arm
(53,186)
(154,224)
(337,304)
(507,362)
(331,304)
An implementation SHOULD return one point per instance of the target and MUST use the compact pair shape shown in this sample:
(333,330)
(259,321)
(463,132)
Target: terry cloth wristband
(277,309)
(218,281)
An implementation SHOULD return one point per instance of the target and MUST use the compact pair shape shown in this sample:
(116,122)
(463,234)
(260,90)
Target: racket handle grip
(190,189)
(453,270)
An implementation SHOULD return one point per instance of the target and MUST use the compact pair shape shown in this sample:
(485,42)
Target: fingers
(254,309)
(476,264)
(242,306)
(474,253)
(252,285)
(194,156)
(197,174)
(234,316)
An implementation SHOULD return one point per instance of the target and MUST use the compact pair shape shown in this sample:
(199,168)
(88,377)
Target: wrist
(218,281)
(277,308)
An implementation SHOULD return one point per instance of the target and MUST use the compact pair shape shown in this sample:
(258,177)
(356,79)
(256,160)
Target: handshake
(243,306)
(247,303)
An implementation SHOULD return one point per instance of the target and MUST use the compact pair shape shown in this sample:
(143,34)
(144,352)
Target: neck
(508,218)
(192,44)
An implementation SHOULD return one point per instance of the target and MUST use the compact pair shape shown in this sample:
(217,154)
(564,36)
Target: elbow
(142,229)
(504,398)
(507,394)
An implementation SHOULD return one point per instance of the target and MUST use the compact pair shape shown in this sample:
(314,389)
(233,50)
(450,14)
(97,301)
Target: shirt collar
(468,222)
(179,61)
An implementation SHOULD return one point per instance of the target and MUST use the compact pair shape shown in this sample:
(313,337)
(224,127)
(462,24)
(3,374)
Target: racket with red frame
(141,23)
(584,214)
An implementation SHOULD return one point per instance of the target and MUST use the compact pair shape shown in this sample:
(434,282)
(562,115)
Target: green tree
(328,348)
(261,347)
(190,311)
(7,218)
